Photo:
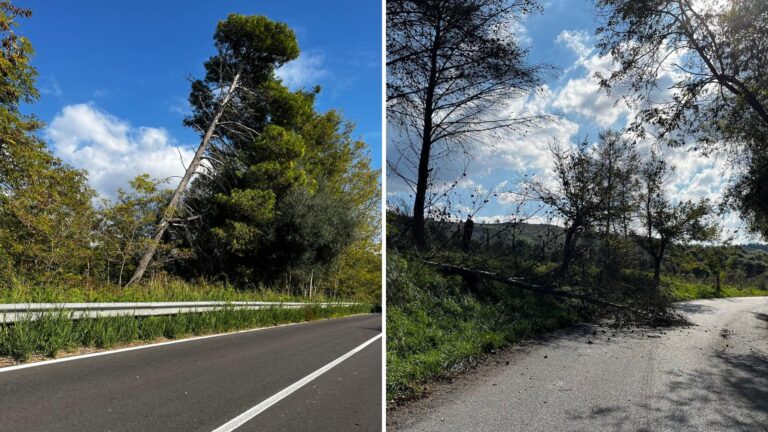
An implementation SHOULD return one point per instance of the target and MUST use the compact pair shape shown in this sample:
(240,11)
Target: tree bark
(176,198)
(567,250)
(656,272)
(419,229)
(717,287)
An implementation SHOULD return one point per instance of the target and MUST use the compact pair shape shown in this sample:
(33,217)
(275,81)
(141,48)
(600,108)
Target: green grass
(435,327)
(56,332)
(169,290)
(680,289)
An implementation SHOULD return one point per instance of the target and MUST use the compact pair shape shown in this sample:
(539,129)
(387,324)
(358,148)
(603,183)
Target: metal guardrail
(14,312)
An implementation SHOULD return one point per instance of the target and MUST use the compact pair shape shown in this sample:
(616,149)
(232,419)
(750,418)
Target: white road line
(149,345)
(277,397)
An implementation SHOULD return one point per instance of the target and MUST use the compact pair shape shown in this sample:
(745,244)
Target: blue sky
(562,36)
(113,74)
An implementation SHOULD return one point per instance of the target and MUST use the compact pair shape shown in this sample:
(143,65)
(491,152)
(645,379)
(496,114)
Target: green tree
(715,258)
(711,56)
(249,48)
(285,189)
(126,226)
(574,198)
(46,216)
(664,221)
(357,272)
(291,200)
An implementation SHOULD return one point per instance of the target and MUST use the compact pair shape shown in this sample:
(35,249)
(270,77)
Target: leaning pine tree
(249,49)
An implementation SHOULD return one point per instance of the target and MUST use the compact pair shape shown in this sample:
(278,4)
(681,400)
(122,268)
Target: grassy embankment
(56,332)
(679,289)
(435,327)
(154,291)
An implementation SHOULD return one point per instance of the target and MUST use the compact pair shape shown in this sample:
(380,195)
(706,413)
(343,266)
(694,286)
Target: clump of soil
(657,315)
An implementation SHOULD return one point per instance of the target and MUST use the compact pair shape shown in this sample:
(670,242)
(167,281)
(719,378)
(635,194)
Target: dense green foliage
(288,190)
(284,206)
(45,206)
(57,332)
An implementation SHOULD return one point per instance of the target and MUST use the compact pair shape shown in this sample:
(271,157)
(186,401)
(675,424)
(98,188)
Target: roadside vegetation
(54,333)
(153,291)
(436,328)
(281,204)
(601,235)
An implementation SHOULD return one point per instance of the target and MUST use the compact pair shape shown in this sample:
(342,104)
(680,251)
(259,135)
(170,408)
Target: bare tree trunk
(311,276)
(419,229)
(717,287)
(657,272)
(568,245)
(191,170)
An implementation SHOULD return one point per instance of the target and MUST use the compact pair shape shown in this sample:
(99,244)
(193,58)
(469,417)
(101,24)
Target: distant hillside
(755,247)
(504,232)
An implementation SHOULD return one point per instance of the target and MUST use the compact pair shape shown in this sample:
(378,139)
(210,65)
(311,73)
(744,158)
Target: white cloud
(577,41)
(111,150)
(527,151)
(583,107)
(305,71)
(582,94)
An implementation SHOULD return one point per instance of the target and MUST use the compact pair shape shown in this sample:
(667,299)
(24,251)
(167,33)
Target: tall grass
(680,289)
(435,326)
(55,332)
(151,291)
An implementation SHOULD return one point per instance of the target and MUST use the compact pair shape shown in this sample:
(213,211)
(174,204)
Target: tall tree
(249,48)
(715,258)
(713,58)
(618,163)
(594,189)
(574,197)
(291,200)
(45,205)
(450,63)
(664,221)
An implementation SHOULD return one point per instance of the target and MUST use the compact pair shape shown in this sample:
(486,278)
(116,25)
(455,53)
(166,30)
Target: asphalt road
(200,385)
(709,377)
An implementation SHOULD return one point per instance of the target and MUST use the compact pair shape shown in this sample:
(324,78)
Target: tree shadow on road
(694,308)
(728,393)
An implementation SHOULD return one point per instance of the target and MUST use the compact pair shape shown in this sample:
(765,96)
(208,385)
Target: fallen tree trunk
(450,269)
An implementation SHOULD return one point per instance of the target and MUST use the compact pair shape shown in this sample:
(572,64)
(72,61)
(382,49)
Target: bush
(18,341)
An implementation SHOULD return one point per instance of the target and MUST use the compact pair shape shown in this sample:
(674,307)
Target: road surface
(709,377)
(201,385)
